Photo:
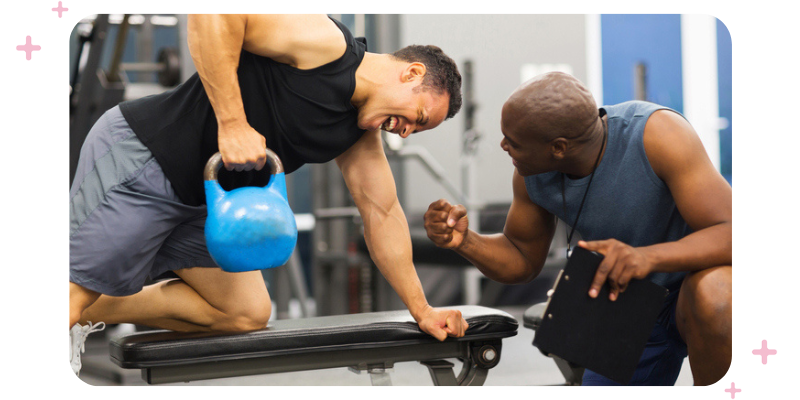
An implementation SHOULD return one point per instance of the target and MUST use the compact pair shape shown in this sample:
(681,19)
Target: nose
(408,130)
(504,144)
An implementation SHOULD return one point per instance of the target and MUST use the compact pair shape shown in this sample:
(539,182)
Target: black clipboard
(607,337)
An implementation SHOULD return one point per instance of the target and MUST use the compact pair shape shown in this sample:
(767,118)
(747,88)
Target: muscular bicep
(215,38)
(529,226)
(677,155)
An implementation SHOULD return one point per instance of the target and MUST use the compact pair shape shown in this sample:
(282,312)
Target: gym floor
(521,364)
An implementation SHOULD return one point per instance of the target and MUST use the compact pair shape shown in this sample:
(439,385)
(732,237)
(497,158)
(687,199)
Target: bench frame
(368,342)
(477,358)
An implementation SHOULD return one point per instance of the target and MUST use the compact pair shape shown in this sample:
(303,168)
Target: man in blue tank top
(635,181)
(300,84)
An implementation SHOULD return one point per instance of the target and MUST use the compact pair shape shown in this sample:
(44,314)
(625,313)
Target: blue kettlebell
(249,228)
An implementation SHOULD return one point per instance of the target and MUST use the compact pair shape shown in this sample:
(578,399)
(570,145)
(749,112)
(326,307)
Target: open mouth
(390,124)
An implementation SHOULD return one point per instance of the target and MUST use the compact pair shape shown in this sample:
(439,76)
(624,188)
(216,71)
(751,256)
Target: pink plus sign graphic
(28,48)
(60,9)
(733,390)
(764,352)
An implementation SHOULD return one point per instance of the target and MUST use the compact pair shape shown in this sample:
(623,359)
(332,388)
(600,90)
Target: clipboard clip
(550,294)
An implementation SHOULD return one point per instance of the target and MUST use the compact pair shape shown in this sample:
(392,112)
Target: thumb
(438,332)
(456,214)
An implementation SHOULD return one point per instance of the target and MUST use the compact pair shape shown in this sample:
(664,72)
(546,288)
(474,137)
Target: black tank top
(305,116)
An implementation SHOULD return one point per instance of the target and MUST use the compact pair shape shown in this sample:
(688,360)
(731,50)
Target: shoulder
(671,143)
(302,41)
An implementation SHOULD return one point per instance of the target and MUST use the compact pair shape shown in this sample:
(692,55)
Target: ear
(558,148)
(413,71)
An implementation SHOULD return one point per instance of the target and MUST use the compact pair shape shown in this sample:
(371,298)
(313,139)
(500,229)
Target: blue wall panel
(725,74)
(655,41)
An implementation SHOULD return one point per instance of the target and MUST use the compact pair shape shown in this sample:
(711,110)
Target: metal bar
(84,92)
(572,374)
(441,372)
(434,168)
(298,281)
(144,46)
(472,375)
(337,212)
(640,81)
(379,377)
(119,48)
(142,67)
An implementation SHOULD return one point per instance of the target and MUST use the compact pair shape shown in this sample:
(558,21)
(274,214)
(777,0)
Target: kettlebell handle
(215,163)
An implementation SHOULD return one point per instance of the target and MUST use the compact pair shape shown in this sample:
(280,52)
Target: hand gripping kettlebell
(249,228)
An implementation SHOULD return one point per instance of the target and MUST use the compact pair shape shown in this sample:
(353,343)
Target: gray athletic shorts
(125,222)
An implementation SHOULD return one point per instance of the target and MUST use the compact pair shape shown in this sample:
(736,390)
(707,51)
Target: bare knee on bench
(240,301)
(246,316)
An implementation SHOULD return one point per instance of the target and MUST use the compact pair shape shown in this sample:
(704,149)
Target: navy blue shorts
(663,355)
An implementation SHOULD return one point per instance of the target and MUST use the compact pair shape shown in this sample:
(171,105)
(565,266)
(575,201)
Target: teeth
(390,124)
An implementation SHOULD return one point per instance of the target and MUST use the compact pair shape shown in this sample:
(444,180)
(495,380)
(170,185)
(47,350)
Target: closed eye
(422,119)
(510,142)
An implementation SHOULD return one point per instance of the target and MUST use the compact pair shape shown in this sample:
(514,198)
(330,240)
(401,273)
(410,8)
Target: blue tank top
(626,201)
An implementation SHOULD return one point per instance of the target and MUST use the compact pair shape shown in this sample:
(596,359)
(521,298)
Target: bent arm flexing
(515,256)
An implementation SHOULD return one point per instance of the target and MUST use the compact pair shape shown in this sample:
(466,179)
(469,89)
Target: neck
(370,76)
(583,164)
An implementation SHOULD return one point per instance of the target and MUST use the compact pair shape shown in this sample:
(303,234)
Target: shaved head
(550,106)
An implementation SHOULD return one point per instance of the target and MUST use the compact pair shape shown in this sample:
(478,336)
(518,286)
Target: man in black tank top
(554,134)
(303,86)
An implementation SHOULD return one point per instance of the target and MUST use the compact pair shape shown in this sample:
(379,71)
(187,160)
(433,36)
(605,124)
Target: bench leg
(443,375)
(573,374)
(472,375)
(441,372)
(379,377)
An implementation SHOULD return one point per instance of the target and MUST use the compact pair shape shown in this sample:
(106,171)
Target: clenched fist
(441,323)
(242,148)
(447,225)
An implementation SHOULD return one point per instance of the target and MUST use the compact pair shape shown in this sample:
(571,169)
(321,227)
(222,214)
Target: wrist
(419,312)
(652,259)
(231,123)
(466,238)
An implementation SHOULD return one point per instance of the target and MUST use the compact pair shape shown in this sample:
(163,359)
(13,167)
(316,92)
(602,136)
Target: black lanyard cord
(563,189)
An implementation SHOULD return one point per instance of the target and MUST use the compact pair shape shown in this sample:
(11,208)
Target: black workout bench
(370,342)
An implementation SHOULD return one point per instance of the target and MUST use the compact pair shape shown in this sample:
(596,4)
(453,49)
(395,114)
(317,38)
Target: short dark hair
(442,72)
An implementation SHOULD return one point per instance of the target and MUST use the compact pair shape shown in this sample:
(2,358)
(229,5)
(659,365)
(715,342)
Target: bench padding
(299,336)
(532,318)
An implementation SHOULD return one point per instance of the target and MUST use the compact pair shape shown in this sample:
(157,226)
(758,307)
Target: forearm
(215,43)
(389,243)
(706,248)
(499,259)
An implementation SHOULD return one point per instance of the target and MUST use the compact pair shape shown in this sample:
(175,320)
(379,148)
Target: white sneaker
(77,339)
